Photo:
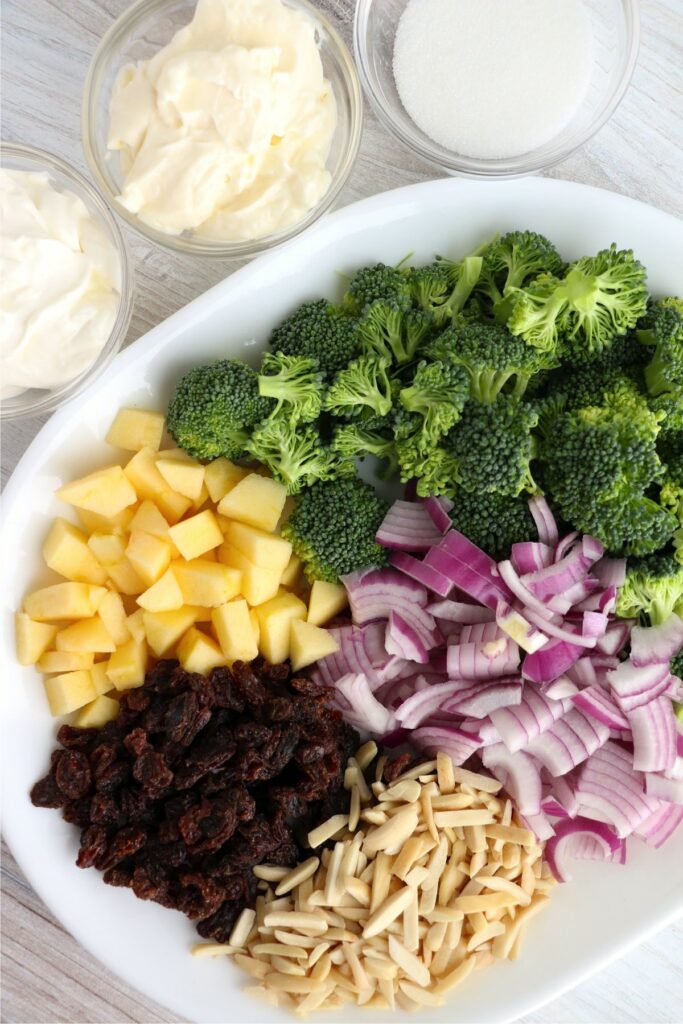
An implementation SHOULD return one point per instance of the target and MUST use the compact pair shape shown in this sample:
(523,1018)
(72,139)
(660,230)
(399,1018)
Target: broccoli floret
(493,446)
(598,299)
(317,330)
(294,454)
(671,494)
(295,382)
(624,352)
(493,358)
(493,521)
(442,288)
(653,589)
(214,407)
(511,261)
(378,283)
(435,471)
(392,333)
(662,328)
(333,527)
(364,384)
(670,407)
(357,439)
(592,386)
(432,404)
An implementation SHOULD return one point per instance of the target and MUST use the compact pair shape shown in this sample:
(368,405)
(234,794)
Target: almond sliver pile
(427,879)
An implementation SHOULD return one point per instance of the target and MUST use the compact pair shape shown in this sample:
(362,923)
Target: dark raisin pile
(199,779)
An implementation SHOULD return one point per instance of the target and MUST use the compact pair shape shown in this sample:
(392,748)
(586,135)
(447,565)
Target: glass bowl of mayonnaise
(67,287)
(221,127)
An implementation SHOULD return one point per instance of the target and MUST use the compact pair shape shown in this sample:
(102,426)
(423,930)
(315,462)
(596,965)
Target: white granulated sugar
(492,78)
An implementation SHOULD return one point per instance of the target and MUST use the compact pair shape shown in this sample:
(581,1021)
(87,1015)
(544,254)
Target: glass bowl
(64,178)
(138,34)
(616,32)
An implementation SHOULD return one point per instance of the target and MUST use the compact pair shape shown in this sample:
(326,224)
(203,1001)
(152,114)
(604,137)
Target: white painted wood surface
(46,45)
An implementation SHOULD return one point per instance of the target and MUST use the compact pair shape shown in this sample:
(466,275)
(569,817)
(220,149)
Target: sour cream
(226,130)
(60,284)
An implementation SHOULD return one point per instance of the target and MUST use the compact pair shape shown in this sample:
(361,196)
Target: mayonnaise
(226,130)
(60,284)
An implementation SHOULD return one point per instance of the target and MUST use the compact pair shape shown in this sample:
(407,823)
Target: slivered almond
(278,949)
(484,783)
(444,773)
(297,875)
(213,949)
(411,925)
(413,849)
(381,968)
(421,996)
(497,884)
(447,914)
(490,901)
(510,834)
(292,983)
(286,966)
(455,977)
(393,832)
(298,921)
(428,811)
(354,809)
(314,1000)
(416,877)
(270,872)
(392,908)
(453,801)
(467,817)
(490,931)
(359,890)
(334,884)
(425,768)
(322,968)
(327,830)
(410,964)
(366,754)
(407,791)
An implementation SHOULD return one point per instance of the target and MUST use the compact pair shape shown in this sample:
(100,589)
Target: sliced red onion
(519,629)
(563,790)
(489,660)
(479,580)
(519,774)
(599,601)
(561,688)
(408,526)
(403,640)
(480,700)
(661,824)
(427,575)
(551,661)
(457,744)
(608,789)
(544,520)
(655,644)
(674,689)
(635,687)
(573,568)
(654,735)
(456,611)
(568,742)
(484,727)
(662,788)
(522,592)
(539,824)
(614,638)
(438,509)
(611,571)
(594,624)
(530,555)
(373,594)
(553,808)
(564,545)
(559,632)
(562,846)
(364,710)
(597,702)
(536,713)
(480,632)
(583,673)
(424,702)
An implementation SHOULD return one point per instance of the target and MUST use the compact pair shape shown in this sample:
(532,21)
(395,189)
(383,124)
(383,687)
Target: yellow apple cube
(201,499)
(220,476)
(99,677)
(255,625)
(149,519)
(69,691)
(96,714)
(134,429)
(258,584)
(275,618)
(107,491)
(292,574)
(196,535)
(326,601)
(96,523)
(177,454)
(53,662)
(185,477)
(125,578)
(143,474)
(113,615)
(172,505)
(136,626)
(234,630)
(149,555)
(66,551)
(127,666)
(207,584)
(163,596)
(107,548)
(64,601)
(308,643)
(261,548)
(86,635)
(32,638)
(255,500)
(197,652)
(164,629)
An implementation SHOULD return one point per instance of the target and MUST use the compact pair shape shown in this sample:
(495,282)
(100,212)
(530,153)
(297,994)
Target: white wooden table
(47,977)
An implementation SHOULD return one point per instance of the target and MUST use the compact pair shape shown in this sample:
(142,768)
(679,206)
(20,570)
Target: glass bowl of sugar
(495,88)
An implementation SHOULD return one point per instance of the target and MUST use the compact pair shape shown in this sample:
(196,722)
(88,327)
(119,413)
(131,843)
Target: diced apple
(125,578)
(163,596)
(149,519)
(65,661)
(326,601)
(113,615)
(177,454)
(164,629)
(32,638)
(197,652)
(107,492)
(143,474)
(66,551)
(136,626)
(96,714)
(69,691)
(258,584)
(308,643)
(100,679)
(172,505)
(186,478)
(261,548)
(207,584)
(234,631)
(196,535)
(201,499)
(275,618)
(220,476)
(96,523)
(149,555)
(255,500)
(86,635)
(255,625)
(292,574)
(127,666)
(134,429)
(64,601)
(107,548)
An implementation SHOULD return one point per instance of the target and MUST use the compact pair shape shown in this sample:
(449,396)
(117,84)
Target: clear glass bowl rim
(54,398)
(526,163)
(109,45)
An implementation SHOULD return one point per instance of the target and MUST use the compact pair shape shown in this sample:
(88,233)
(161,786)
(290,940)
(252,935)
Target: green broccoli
(511,261)
(670,407)
(493,521)
(317,330)
(296,384)
(662,328)
(624,352)
(332,528)
(591,385)
(435,472)
(432,404)
(392,333)
(493,446)
(442,288)
(357,439)
(214,407)
(671,494)
(377,283)
(653,589)
(364,384)
(598,299)
(493,358)
(294,454)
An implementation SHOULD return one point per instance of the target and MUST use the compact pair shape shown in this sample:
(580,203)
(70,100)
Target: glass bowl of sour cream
(495,88)
(221,127)
(67,285)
